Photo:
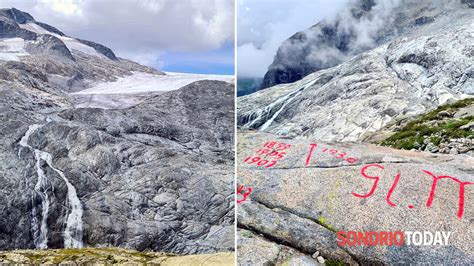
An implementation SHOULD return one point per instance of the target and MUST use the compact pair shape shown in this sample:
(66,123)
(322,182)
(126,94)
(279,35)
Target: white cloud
(263,25)
(67,7)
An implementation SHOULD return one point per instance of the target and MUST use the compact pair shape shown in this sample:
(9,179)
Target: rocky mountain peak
(66,63)
(358,27)
(15,23)
(16,15)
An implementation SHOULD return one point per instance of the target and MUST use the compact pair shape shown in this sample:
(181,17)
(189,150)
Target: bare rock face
(157,175)
(146,177)
(410,74)
(253,249)
(301,194)
(360,26)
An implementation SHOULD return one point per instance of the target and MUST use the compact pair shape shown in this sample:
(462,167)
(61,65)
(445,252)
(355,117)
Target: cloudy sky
(264,24)
(185,36)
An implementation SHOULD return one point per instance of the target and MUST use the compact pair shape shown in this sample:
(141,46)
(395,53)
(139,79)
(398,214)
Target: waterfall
(261,115)
(40,230)
(73,232)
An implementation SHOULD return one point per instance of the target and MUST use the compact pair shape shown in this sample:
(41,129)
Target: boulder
(315,190)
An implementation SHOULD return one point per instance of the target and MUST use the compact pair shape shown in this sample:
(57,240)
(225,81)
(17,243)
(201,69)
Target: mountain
(360,26)
(147,166)
(312,169)
(408,75)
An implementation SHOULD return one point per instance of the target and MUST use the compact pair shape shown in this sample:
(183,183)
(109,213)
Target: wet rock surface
(302,201)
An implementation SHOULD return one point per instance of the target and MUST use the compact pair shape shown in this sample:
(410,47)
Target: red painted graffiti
(461,190)
(429,202)
(244,192)
(269,154)
(375,178)
(335,153)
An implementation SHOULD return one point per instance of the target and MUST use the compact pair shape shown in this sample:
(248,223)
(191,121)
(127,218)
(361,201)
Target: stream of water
(74,226)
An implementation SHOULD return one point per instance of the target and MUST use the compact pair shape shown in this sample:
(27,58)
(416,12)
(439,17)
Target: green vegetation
(108,256)
(433,126)
(334,263)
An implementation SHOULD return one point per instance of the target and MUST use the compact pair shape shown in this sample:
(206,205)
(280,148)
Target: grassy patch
(448,107)
(103,256)
(34,258)
(411,136)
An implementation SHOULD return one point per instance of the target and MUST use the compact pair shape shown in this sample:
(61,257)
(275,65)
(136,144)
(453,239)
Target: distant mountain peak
(16,23)
(16,15)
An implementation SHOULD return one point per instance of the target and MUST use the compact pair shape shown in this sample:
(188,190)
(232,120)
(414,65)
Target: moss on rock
(437,125)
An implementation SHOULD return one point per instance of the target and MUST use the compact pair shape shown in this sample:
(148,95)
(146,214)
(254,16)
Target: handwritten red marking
(351,160)
(461,190)
(245,195)
(376,178)
(272,163)
(269,155)
(269,144)
(308,158)
(336,154)
(410,206)
(394,185)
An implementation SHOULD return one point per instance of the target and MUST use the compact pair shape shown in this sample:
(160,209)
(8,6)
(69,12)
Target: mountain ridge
(360,26)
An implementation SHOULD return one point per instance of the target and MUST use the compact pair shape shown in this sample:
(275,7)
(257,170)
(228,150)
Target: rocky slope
(293,210)
(408,75)
(360,26)
(153,175)
(448,129)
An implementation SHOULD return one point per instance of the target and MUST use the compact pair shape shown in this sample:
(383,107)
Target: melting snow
(141,82)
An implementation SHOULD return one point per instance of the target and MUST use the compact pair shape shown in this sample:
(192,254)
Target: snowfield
(141,82)
(12,48)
